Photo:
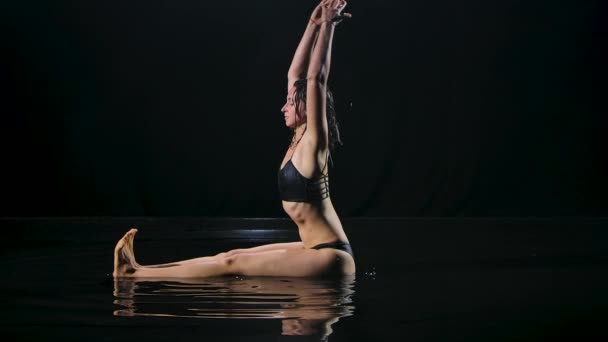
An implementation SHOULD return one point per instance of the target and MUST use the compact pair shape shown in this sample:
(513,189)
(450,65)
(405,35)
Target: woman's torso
(317,220)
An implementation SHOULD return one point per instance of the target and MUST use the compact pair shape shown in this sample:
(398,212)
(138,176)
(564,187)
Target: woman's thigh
(265,248)
(290,263)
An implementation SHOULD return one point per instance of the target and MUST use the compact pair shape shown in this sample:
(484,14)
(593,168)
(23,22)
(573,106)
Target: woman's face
(292,118)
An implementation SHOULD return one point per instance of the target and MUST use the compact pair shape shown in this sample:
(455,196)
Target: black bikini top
(293,187)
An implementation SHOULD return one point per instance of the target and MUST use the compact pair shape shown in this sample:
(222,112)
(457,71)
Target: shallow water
(551,287)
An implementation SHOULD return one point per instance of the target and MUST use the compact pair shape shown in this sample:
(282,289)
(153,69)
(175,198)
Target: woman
(324,248)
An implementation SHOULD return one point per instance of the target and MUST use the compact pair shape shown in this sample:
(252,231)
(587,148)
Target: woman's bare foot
(124,257)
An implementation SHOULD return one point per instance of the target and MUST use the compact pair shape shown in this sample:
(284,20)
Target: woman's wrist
(319,22)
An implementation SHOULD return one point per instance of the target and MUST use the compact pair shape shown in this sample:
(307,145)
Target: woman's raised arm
(299,64)
(318,70)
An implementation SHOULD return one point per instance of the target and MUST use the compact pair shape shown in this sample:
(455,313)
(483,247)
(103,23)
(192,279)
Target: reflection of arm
(301,58)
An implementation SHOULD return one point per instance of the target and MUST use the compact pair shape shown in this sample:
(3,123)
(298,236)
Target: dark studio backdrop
(172,107)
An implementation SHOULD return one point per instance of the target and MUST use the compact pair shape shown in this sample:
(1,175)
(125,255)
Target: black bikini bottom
(343,246)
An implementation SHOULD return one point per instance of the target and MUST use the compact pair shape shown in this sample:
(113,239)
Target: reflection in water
(306,306)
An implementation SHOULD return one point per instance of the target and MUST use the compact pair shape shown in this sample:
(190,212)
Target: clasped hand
(329,11)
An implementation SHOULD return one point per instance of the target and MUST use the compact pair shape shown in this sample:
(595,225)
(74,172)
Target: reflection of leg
(307,327)
(124,288)
(280,262)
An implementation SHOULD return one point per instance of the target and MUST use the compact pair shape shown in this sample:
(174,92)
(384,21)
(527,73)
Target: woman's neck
(298,132)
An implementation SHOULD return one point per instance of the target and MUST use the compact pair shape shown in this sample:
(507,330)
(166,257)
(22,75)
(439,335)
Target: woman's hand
(316,13)
(330,11)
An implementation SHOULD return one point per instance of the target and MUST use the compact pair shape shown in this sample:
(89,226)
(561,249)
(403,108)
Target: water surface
(525,282)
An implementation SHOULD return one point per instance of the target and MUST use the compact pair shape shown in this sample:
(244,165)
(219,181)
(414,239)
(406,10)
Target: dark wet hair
(332,123)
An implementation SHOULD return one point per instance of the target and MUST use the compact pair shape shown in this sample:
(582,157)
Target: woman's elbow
(318,78)
(293,76)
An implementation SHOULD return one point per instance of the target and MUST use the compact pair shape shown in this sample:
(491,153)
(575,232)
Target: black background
(169,108)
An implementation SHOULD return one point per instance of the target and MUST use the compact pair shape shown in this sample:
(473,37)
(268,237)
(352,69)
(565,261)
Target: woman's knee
(231,263)
(229,253)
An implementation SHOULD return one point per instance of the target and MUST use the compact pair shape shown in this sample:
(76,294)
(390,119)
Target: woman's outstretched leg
(125,264)
(295,262)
